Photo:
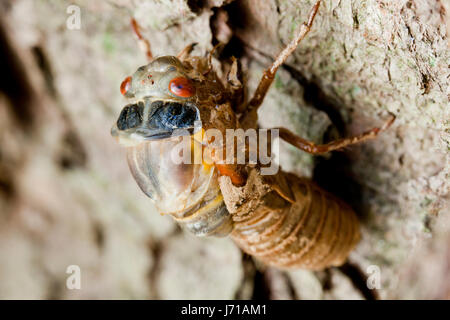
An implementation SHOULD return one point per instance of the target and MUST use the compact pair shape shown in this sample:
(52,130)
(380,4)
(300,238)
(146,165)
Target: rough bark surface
(67,197)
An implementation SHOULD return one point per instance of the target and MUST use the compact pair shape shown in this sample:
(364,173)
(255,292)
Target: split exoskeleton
(281,219)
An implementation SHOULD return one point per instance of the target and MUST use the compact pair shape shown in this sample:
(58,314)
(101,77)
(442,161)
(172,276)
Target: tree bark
(67,197)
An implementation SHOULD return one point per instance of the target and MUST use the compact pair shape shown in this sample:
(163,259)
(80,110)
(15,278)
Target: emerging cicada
(281,219)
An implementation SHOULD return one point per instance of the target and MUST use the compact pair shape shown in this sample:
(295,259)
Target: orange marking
(226,170)
(125,85)
(181,87)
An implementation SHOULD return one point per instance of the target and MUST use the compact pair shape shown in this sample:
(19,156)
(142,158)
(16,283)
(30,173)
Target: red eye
(181,87)
(125,85)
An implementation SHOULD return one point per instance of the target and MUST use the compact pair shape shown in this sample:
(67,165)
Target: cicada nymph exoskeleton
(281,219)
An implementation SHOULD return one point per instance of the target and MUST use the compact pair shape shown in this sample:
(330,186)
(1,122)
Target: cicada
(281,219)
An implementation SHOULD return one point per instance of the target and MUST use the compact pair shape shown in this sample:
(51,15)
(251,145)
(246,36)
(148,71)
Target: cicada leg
(235,85)
(269,74)
(209,58)
(186,52)
(145,43)
(313,148)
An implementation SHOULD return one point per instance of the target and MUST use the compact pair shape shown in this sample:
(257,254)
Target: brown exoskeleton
(283,220)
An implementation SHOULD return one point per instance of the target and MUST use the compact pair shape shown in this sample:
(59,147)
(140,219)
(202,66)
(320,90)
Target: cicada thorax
(311,230)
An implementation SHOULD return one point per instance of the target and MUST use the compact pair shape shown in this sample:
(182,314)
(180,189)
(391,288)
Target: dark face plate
(153,120)
(172,115)
(131,116)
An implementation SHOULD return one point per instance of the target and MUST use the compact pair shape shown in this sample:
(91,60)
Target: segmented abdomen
(316,231)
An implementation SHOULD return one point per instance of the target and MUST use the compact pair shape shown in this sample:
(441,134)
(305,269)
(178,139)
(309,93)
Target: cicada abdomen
(296,226)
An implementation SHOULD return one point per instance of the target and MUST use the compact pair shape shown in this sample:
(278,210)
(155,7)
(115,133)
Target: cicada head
(161,120)
(162,102)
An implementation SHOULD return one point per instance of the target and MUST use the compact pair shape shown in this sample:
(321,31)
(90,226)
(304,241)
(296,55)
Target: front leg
(186,52)
(144,42)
